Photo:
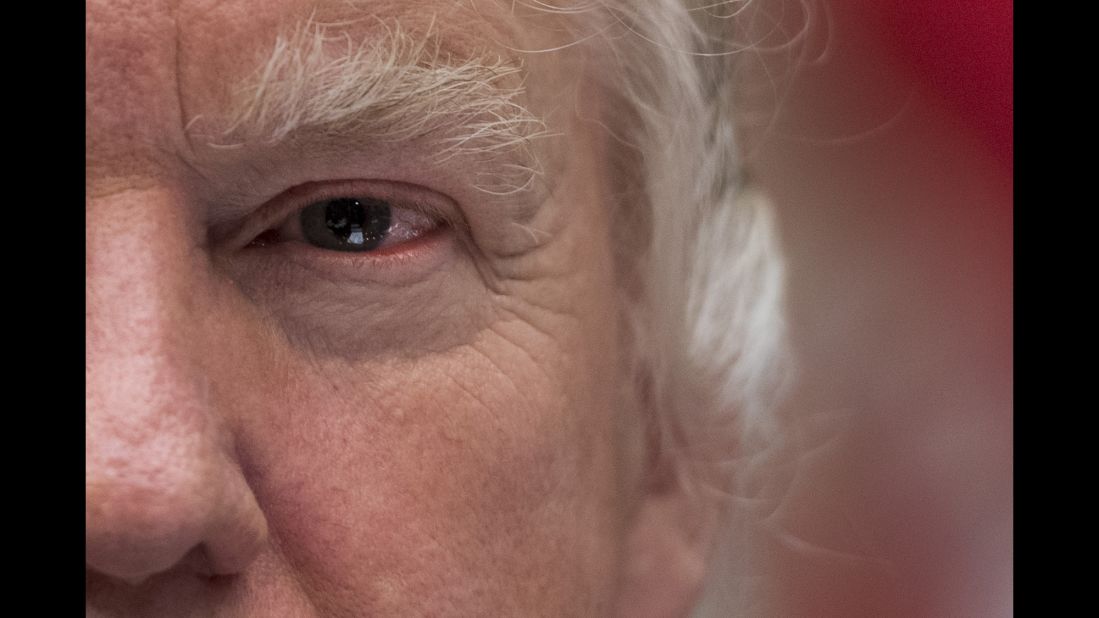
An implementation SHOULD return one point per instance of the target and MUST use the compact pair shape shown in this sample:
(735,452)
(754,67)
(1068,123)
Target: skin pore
(277,429)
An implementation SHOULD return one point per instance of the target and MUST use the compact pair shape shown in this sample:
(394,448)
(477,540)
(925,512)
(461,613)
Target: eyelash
(416,214)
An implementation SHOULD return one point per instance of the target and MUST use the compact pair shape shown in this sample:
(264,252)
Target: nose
(163,487)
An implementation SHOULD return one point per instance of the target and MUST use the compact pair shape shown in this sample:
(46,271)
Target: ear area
(666,552)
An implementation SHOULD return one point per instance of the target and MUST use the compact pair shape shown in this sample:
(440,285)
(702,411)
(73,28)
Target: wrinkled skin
(286,431)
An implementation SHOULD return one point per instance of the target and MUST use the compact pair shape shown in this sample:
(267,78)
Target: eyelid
(401,195)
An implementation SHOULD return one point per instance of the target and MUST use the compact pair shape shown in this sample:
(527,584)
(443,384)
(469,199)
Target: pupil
(347,224)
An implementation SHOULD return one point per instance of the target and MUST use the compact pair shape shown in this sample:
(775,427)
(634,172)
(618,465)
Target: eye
(346,223)
(352,220)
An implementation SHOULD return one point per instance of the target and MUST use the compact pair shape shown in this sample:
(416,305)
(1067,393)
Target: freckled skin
(233,470)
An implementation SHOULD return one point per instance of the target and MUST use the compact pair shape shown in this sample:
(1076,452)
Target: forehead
(155,67)
(221,35)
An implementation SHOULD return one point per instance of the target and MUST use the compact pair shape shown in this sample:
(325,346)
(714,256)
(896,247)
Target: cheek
(474,478)
(454,480)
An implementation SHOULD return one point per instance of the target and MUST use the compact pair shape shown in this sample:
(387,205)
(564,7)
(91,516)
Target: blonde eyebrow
(394,87)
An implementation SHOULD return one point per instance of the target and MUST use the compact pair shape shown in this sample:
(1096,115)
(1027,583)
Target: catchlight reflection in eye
(346,224)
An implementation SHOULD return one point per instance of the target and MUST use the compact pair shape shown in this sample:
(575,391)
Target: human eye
(373,218)
(355,267)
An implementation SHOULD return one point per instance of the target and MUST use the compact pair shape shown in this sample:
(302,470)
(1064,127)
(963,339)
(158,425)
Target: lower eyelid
(402,263)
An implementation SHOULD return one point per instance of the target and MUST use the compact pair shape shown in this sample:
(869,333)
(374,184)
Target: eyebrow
(393,87)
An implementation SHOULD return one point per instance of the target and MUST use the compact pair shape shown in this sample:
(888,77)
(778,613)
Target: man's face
(328,370)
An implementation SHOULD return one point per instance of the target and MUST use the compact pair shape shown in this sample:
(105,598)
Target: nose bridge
(160,477)
(143,294)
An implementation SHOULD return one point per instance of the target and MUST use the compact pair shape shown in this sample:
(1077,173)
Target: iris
(347,223)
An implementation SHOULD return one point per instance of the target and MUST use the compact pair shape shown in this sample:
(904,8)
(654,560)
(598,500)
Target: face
(330,369)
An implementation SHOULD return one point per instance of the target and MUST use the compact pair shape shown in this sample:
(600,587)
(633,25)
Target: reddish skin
(332,437)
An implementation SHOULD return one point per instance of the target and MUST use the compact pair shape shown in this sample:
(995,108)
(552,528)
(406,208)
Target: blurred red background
(888,152)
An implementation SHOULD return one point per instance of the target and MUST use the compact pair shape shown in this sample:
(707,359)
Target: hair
(702,265)
(396,87)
